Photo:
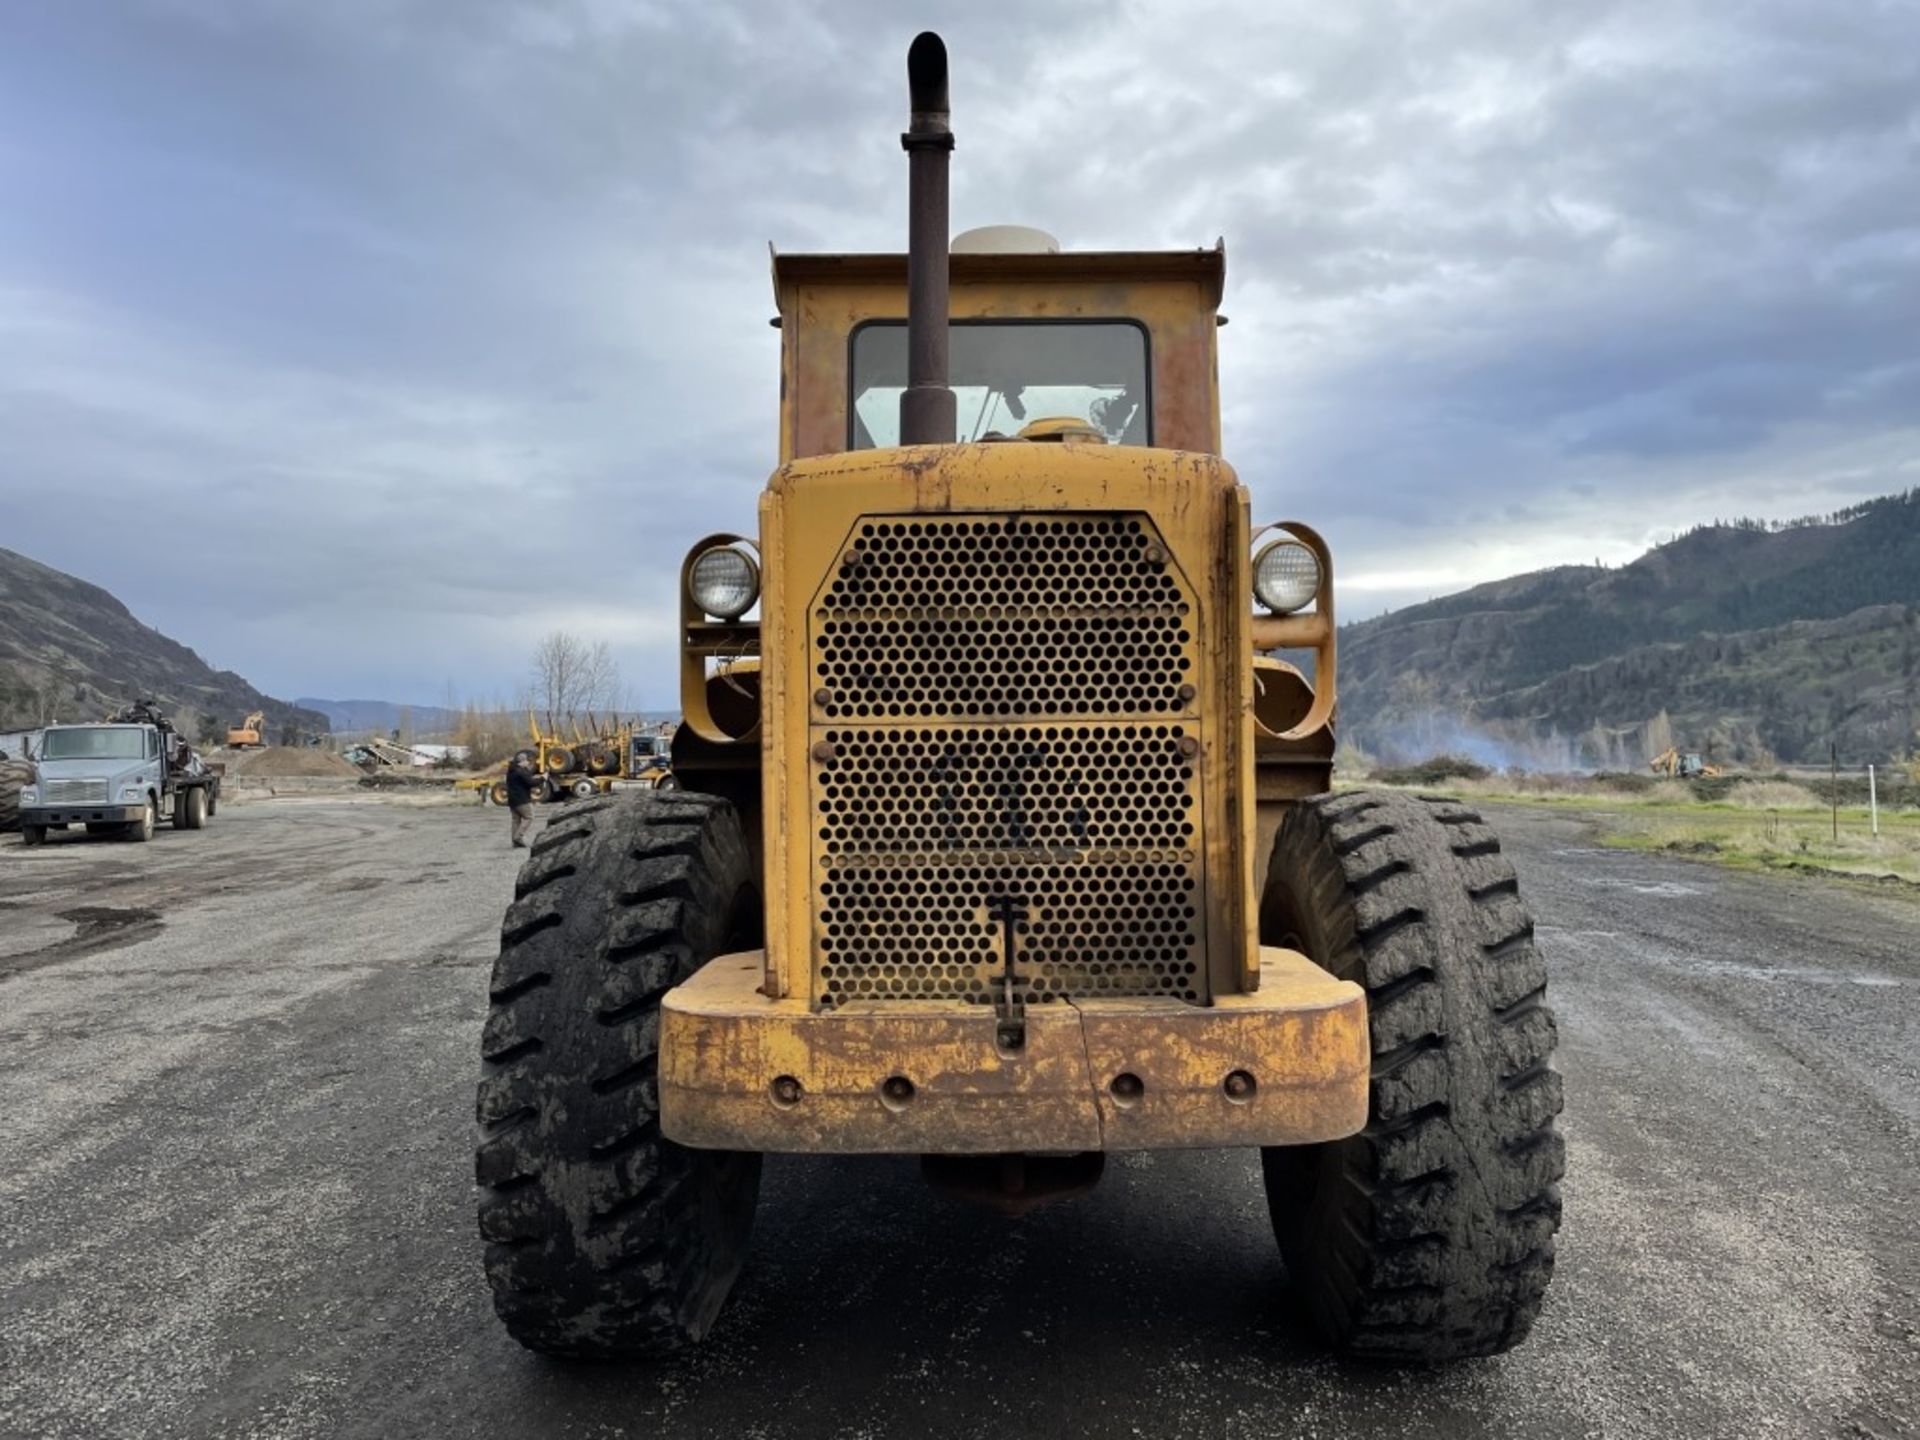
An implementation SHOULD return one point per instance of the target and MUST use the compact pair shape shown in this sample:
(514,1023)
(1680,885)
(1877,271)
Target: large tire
(561,760)
(603,1238)
(14,775)
(33,834)
(1429,1236)
(140,831)
(496,793)
(189,808)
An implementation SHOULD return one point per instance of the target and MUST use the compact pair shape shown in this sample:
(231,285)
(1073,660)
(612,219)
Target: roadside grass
(1763,824)
(1775,839)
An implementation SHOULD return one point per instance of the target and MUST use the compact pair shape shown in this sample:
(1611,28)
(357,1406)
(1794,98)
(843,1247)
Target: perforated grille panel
(1004,714)
(1031,615)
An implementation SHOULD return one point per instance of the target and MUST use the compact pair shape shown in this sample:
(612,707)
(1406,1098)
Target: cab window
(1008,375)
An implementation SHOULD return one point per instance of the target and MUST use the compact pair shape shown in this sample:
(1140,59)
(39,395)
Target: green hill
(71,651)
(1759,642)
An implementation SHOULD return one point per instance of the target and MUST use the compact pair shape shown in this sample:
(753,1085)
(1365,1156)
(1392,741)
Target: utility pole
(1833,792)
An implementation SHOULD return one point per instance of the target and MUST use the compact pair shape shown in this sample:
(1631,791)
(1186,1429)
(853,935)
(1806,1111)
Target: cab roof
(1207,268)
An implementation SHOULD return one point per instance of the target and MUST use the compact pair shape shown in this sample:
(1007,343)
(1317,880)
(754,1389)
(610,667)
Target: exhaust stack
(928,412)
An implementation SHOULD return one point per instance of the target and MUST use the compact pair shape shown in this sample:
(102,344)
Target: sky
(360,344)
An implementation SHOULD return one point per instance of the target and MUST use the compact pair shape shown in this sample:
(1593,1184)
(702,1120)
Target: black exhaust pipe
(928,412)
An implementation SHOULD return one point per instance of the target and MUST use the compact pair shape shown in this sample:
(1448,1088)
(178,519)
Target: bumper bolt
(896,1092)
(825,752)
(786,1091)
(1127,1088)
(1239,1085)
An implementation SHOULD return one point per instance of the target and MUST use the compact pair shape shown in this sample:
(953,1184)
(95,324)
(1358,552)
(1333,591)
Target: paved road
(237,1074)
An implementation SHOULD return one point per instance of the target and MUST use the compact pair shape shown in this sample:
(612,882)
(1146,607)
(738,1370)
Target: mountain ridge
(1761,642)
(72,650)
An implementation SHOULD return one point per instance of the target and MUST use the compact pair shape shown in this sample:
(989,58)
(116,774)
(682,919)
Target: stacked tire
(14,774)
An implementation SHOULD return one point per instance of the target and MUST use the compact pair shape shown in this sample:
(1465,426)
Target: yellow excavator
(247,734)
(1682,765)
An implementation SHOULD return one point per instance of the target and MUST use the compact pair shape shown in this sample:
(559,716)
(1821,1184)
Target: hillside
(71,651)
(1756,642)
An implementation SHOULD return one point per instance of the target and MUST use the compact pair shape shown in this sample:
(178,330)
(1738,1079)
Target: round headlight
(1286,576)
(724,581)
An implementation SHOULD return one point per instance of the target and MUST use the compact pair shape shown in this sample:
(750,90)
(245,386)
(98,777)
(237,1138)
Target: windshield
(1008,374)
(91,744)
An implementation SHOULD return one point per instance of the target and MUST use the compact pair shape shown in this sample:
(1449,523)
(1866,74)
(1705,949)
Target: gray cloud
(447,321)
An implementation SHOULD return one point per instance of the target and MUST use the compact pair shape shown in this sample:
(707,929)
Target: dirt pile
(283,761)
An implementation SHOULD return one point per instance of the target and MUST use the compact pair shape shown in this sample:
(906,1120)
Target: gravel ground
(235,1200)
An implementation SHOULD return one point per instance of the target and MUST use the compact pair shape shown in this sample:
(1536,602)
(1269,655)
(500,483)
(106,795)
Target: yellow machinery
(582,766)
(1682,765)
(1005,839)
(246,735)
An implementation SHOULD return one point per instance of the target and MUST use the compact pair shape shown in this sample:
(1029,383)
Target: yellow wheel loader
(1005,838)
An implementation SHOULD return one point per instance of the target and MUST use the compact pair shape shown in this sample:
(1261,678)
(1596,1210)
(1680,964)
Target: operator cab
(1113,347)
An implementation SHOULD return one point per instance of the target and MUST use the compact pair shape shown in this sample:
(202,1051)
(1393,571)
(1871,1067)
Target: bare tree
(603,679)
(570,676)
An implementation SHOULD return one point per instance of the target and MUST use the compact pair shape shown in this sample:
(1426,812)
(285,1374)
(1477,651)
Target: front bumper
(729,1058)
(81,814)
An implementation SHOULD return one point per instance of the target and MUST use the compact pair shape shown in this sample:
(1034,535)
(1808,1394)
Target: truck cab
(118,778)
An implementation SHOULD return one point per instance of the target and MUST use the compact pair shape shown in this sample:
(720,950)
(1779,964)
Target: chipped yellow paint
(727,1055)
(1195,501)
(749,1019)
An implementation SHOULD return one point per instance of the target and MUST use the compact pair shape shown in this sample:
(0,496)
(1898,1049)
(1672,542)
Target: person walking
(520,798)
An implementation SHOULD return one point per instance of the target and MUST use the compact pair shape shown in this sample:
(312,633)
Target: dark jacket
(519,786)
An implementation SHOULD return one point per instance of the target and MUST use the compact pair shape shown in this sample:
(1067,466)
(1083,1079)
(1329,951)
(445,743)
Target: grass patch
(1798,840)
(1759,823)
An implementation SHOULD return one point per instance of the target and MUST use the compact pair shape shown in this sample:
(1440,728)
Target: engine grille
(75,792)
(1005,712)
(1033,616)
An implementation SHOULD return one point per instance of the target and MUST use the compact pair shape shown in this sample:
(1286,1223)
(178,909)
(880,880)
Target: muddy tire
(582,788)
(496,794)
(1429,1236)
(603,1238)
(33,834)
(666,784)
(189,808)
(140,831)
(14,775)
(561,760)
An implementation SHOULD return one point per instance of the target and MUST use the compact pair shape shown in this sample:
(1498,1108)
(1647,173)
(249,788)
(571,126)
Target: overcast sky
(357,343)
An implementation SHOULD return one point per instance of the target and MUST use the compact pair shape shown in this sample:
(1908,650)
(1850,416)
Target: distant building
(436,754)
